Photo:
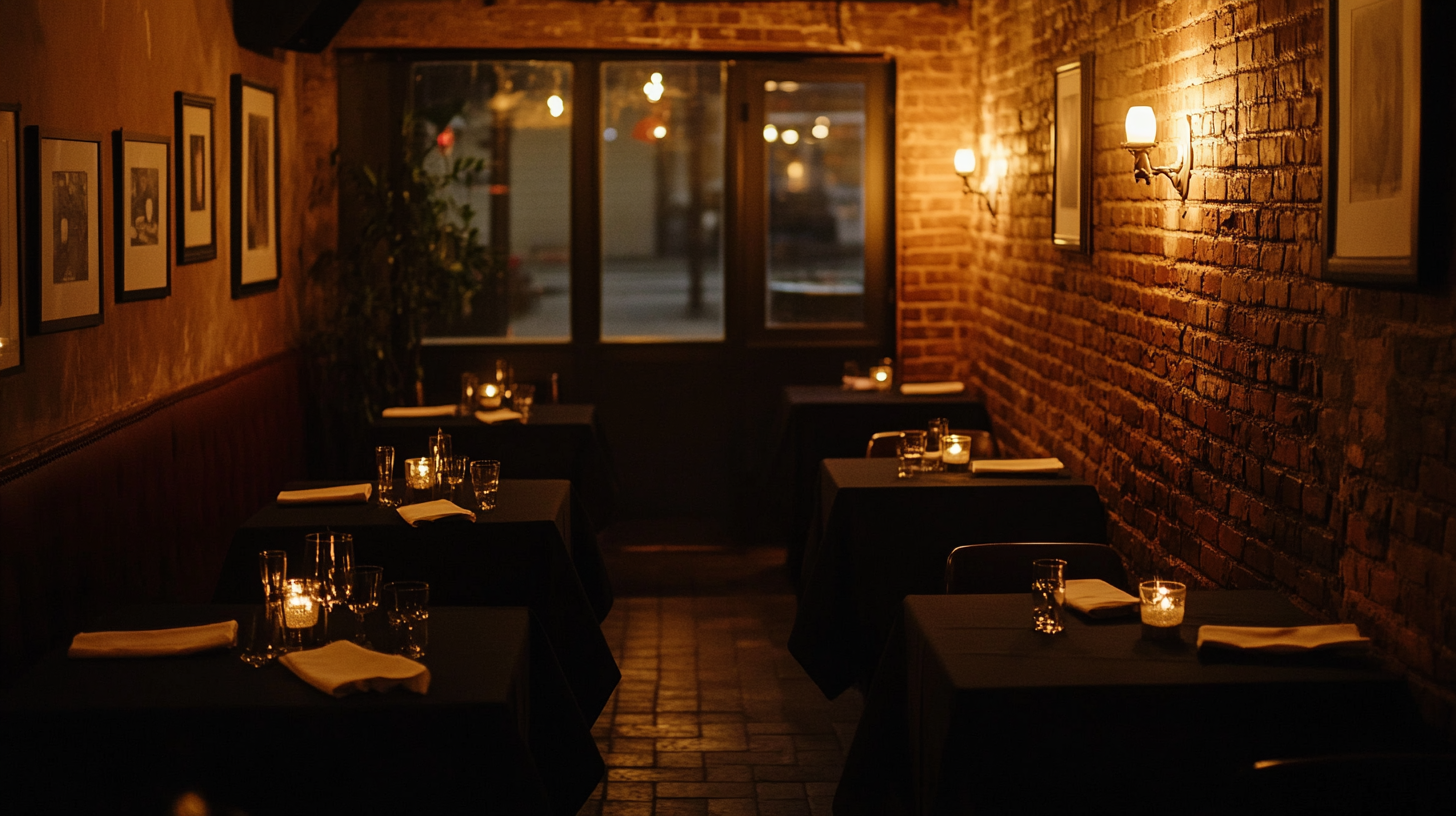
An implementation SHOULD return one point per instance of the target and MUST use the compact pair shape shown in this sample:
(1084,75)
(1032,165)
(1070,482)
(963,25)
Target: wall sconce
(965,166)
(1142,136)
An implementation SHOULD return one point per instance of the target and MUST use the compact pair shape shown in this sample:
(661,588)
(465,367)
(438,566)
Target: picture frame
(63,229)
(141,185)
(1072,100)
(1372,142)
(257,257)
(12,279)
(196,194)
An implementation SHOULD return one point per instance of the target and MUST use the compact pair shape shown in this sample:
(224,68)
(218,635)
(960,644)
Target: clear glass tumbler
(485,481)
(912,452)
(1048,593)
(939,427)
(323,556)
(365,597)
(409,615)
(524,397)
(384,467)
(273,570)
(440,454)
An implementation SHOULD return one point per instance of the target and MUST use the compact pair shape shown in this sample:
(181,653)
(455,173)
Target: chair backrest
(884,444)
(1405,783)
(983,569)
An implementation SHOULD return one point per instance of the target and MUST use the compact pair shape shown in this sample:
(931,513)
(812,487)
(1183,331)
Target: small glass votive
(485,481)
(912,453)
(955,453)
(1162,609)
(883,376)
(490,395)
(384,466)
(1048,593)
(300,613)
(419,474)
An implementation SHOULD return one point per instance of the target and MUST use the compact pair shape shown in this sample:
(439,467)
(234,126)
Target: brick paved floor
(713,717)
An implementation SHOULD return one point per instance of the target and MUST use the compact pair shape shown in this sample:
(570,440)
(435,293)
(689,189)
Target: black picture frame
(12,244)
(257,255)
(1072,138)
(1370,233)
(141,257)
(72,159)
(196,213)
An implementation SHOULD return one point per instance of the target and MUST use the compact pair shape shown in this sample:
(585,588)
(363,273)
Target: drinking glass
(341,576)
(384,465)
(455,470)
(1048,593)
(273,569)
(259,640)
(409,615)
(485,480)
(321,554)
(939,427)
(912,451)
(365,597)
(525,397)
(469,383)
(439,454)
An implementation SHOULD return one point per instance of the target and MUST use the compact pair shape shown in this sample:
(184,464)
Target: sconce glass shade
(965,161)
(1142,125)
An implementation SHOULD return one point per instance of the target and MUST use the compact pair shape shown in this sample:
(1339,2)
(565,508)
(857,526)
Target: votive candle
(883,377)
(955,452)
(419,473)
(1162,607)
(490,395)
(300,607)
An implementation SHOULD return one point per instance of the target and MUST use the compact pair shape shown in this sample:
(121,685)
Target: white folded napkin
(858,383)
(1281,639)
(420,411)
(498,415)
(342,668)
(343,494)
(1096,598)
(432,510)
(1049,465)
(155,642)
(932,388)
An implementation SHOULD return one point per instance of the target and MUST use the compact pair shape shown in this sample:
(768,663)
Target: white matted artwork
(1372,151)
(63,229)
(142,185)
(196,194)
(12,336)
(256,254)
(1072,156)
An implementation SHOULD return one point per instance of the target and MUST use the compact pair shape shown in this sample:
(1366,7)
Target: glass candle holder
(490,395)
(955,453)
(1048,594)
(883,376)
(300,613)
(1162,608)
(419,473)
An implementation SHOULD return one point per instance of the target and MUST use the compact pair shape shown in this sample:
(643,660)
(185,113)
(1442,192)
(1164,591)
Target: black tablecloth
(515,555)
(880,538)
(498,731)
(974,712)
(560,442)
(817,422)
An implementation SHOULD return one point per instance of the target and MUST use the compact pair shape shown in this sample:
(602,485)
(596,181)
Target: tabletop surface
(883,472)
(518,500)
(835,395)
(547,414)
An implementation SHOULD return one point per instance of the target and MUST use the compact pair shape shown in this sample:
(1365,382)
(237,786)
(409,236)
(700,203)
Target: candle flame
(955,447)
(880,375)
(490,390)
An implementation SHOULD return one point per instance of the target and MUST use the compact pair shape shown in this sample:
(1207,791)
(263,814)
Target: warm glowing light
(788,87)
(555,105)
(490,389)
(446,139)
(609,135)
(791,137)
(820,131)
(954,449)
(881,376)
(997,170)
(770,133)
(659,131)
(795,170)
(770,86)
(965,161)
(653,89)
(1141,126)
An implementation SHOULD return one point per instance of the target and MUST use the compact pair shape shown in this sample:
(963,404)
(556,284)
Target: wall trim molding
(39,454)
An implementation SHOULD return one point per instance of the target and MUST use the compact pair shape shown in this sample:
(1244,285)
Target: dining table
(498,730)
(974,711)
(560,441)
(878,537)
(817,422)
(525,552)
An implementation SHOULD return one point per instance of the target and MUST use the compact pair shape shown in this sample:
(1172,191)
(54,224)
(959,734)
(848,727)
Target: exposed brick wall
(1248,424)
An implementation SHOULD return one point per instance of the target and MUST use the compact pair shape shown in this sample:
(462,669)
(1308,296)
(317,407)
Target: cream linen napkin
(420,411)
(1096,598)
(498,415)
(858,383)
(931,388)
(1281,639)
(155,642)
(432,510)
(342,668)
(343,494)
(1050,465)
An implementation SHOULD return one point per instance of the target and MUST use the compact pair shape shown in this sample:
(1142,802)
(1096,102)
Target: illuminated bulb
(795,171)
(770,133)
(965,161)
(555,105)
(490,389)
(770,86)
(788,87)
(822,120)
(791,137)
(659,131)
(820,131)
(653,89)
(880,375)
(1141,126)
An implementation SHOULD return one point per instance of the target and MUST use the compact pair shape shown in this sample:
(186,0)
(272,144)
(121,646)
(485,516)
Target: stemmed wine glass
(364,598)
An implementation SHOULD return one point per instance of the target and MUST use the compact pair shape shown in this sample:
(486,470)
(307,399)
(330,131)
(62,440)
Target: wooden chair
(984,569)
(884,445)
(1404,783)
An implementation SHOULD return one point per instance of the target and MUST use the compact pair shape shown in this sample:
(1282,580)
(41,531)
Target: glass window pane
(814,137)
(516,117)
(662,200)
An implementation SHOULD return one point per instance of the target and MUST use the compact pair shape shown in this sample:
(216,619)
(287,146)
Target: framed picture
(141,185)
(12,336)
(257,257)
(1072,156)
(1372,141)
(63,229)
(196,194)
